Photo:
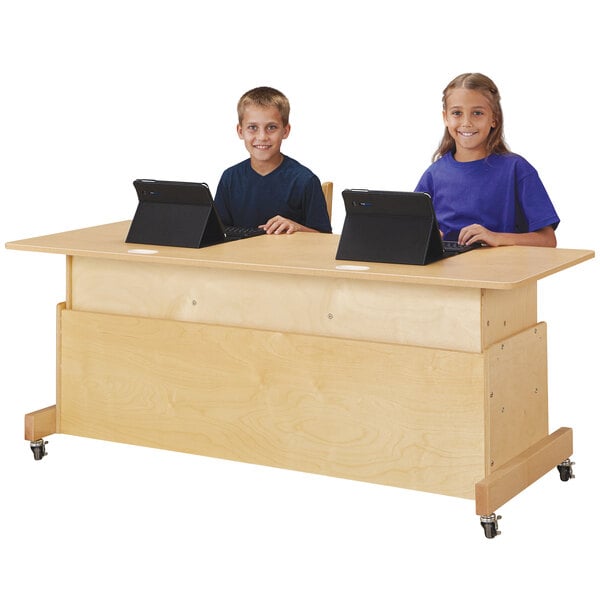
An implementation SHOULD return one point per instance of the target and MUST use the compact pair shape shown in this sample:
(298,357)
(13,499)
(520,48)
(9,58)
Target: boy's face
(263,131)
(469,119)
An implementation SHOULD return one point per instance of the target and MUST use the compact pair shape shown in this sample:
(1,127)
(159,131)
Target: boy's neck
(266,167)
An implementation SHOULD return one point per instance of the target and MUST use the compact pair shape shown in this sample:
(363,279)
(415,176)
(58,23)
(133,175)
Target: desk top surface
(314,254)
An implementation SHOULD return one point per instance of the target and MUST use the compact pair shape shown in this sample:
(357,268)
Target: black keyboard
(453,247)
(233,232)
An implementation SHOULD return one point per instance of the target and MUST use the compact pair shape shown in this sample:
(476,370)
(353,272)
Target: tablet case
(174,213)
(389,227)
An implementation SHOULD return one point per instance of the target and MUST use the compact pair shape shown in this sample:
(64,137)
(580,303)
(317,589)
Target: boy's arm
(278,224)
(478,233)
(221,201)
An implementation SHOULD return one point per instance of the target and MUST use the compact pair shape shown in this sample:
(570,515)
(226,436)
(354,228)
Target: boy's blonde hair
(484,85)
(266,97)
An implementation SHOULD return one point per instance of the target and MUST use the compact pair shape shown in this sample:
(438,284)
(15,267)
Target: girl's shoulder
(514,162)
(509,157)
(506,161)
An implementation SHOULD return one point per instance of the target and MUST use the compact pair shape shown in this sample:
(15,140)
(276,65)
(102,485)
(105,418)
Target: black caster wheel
(565,470)
(39,449)
(490,525)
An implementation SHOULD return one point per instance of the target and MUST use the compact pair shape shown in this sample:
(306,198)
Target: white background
(96,94)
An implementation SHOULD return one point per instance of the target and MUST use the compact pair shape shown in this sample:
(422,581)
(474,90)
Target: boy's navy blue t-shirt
(247,199)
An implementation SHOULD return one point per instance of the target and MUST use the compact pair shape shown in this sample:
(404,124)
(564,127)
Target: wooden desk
(270,351)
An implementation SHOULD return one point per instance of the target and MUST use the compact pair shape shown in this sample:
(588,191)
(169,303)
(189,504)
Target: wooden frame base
(523,470)
(40,423)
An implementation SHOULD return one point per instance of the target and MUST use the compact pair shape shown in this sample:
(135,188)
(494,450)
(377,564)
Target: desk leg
(523,470)
(39,424)
(43,422)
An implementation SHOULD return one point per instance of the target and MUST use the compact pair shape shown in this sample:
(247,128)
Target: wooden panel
(419,315)
(382,413)
(523,470)
(328,193)
(59,311)
(507,312)
(517,395)
(40,423)
(69,279)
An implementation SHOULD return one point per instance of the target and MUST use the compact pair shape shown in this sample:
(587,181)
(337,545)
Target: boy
(269,190)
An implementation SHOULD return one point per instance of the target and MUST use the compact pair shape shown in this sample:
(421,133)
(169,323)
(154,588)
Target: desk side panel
(517,395)
(375,412)
(419,315)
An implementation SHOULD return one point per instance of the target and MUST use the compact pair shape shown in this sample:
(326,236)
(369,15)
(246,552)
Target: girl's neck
(462,155)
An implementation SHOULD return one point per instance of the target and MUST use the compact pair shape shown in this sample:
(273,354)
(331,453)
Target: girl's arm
(478,233)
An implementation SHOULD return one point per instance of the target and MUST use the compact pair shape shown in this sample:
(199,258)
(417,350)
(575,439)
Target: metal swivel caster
(565,469)
(490,525)
(39,449)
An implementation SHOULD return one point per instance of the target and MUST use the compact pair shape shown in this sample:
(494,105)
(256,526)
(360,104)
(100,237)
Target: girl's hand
(478,233)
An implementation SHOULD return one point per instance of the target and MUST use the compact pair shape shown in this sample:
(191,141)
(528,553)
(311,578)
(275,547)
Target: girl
(481,191)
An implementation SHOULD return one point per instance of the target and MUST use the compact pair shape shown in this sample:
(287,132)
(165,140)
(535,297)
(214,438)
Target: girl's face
(263,131)
(469,119)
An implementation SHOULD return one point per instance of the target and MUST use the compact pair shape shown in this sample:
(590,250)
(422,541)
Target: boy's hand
(279,224)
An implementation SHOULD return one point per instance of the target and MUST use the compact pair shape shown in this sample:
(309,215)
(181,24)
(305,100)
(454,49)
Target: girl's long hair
(484,85)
